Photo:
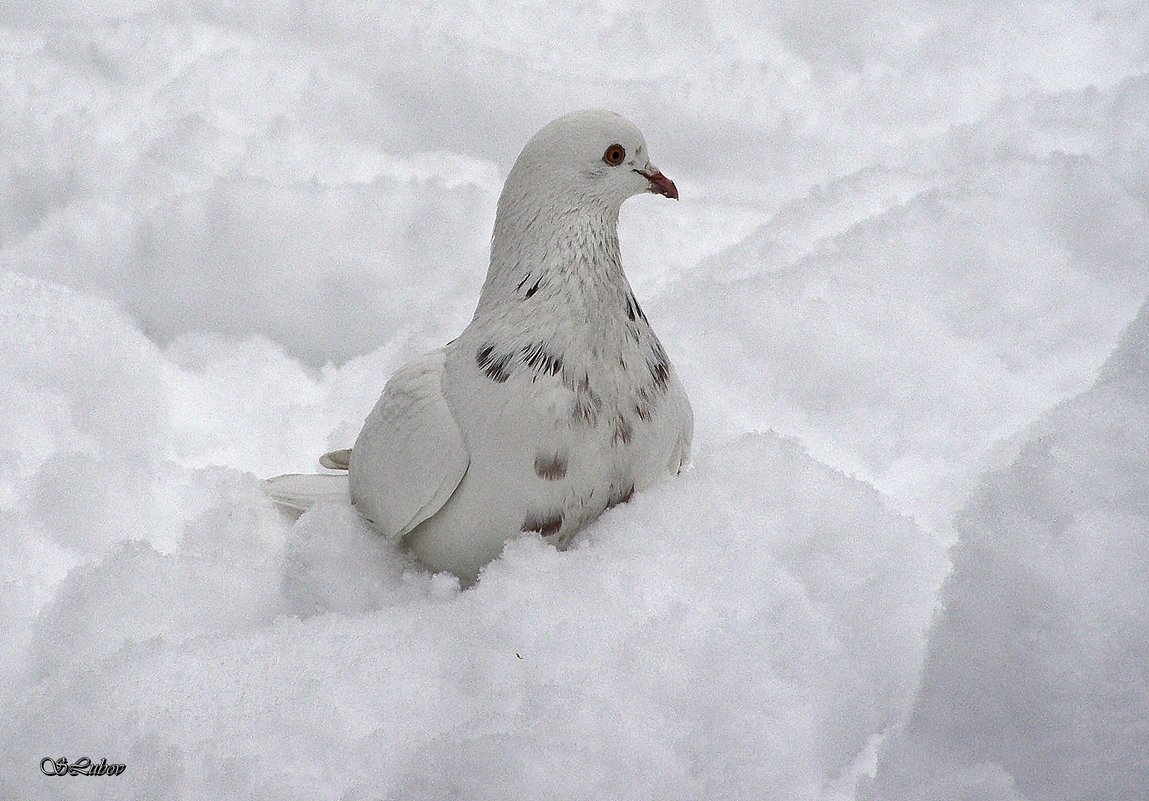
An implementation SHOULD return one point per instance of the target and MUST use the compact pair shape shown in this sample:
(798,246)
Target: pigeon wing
(410,455)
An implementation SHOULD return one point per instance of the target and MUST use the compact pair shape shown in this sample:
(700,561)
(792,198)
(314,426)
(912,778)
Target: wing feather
(410,455)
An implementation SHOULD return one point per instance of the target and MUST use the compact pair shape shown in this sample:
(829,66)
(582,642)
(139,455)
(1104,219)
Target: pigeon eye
(614,155)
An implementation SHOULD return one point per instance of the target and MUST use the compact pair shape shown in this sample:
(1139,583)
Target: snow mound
(906,233)
(1035,685)
(744,628)
(901,322)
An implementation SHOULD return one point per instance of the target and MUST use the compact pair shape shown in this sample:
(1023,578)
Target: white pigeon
(555,403)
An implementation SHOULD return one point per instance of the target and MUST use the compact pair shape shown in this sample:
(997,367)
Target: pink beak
(660,184)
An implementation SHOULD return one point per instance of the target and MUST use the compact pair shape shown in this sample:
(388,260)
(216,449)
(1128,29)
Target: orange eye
(614,155)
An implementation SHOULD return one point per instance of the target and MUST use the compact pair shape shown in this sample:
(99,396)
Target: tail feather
(336,460)
(300,492)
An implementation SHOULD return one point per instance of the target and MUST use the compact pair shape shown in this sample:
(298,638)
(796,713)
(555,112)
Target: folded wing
(410,455)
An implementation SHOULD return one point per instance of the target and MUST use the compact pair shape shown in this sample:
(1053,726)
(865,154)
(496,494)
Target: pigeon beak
(659,183)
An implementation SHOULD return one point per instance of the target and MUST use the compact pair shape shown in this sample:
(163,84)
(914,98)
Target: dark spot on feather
(494,365)
(534,289)
(659,366)
(539,358)
(551,468)
(620,494)
(622,431)
(647,400)
(587,404)
(547,524)
(638,308)
(630,307)
(526,278)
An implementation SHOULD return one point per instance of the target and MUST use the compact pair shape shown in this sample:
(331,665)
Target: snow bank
(901,321)
(305,173)
(906,233)
(1035,684)
(745,628)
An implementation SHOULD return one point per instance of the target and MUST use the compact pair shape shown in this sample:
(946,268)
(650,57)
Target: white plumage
(555,403)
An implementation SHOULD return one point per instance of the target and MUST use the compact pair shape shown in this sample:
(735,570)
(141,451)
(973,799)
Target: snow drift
(906,235)
(1035,683)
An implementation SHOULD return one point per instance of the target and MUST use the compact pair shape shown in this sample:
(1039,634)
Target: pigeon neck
(563,252)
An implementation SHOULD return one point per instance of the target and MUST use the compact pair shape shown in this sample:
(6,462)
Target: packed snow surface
(902,288)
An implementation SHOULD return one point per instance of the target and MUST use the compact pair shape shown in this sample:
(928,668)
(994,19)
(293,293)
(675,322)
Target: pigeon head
(556,226)
(592,157)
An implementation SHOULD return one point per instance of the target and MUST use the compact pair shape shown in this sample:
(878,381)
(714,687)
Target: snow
(895,288)
(1035,682)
